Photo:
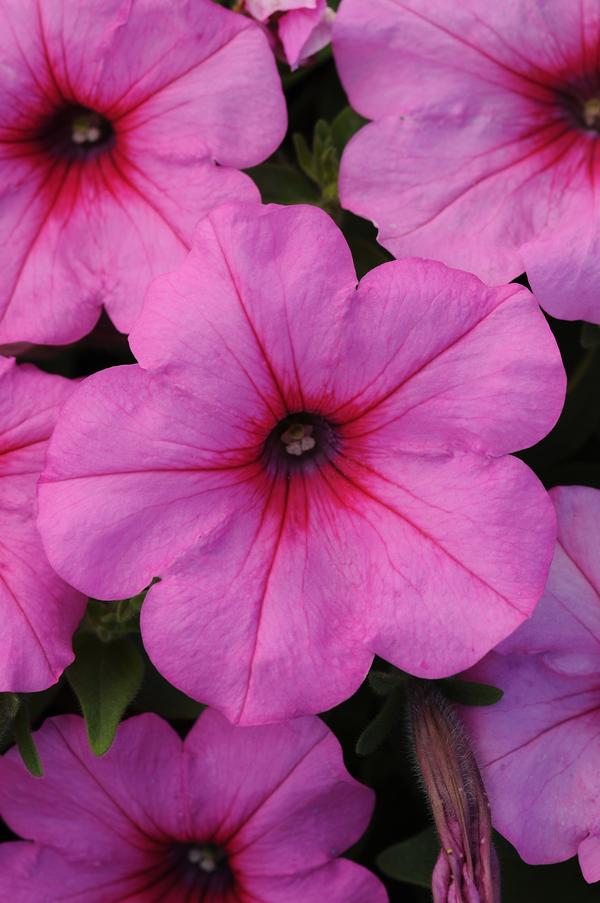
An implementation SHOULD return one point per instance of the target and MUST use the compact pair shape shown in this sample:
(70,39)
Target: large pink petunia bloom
(122,122)
(38,611)
(484,153)
(540,745)
(231,815)
(316,473)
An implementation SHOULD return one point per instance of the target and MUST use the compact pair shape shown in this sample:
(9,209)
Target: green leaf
(280,184)
(411,860)
(466,692)
(305,156)
(105,678)
(26,744)
(382,725)
(344,126)
(383,682)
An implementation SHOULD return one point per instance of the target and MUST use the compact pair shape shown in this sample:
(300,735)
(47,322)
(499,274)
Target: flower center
(205,866)
(591,113)
(298,441)
(206,859)
(76,132)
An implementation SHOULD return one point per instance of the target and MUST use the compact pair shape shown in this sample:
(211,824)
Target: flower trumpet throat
(466,870)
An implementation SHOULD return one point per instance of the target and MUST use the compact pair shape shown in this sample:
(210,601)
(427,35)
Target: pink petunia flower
(539,745)
(316,472)
(301,27)
(38,611)
(122,122)
(484,153)
(231,815)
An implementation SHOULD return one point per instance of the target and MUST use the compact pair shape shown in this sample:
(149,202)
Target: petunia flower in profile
(539,746)
(484,152)
(38,611)
(317,471)
(299,28)
(230,815)
(122,122)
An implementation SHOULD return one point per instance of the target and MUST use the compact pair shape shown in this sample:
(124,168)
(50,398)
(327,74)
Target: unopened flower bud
(467,869)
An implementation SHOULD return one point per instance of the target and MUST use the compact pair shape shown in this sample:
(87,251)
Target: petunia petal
(32,872)
(109,810)
(337,881)
(539,751)
(279,584)
(145,475)
(395,55)
(38,611)
(416,385)
(451,565)
(255,812)
(261,282)
(539,746)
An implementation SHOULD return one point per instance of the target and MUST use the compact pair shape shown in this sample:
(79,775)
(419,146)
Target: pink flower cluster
(309,469)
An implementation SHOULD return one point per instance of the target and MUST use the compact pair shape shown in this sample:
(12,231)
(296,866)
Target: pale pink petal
(30,872)
(153,207)
(38,230)
(415,386)
(297,787)
(454,565)
(565,629)
(396,55)
(261,282)
(279,583)
(262,9)
(466,186)
(562,262)
(359,556)
(228,107)
(589,858)
(539,746)
(38,611)
(304,32)
(110,810)
(337,882)
(144,474)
